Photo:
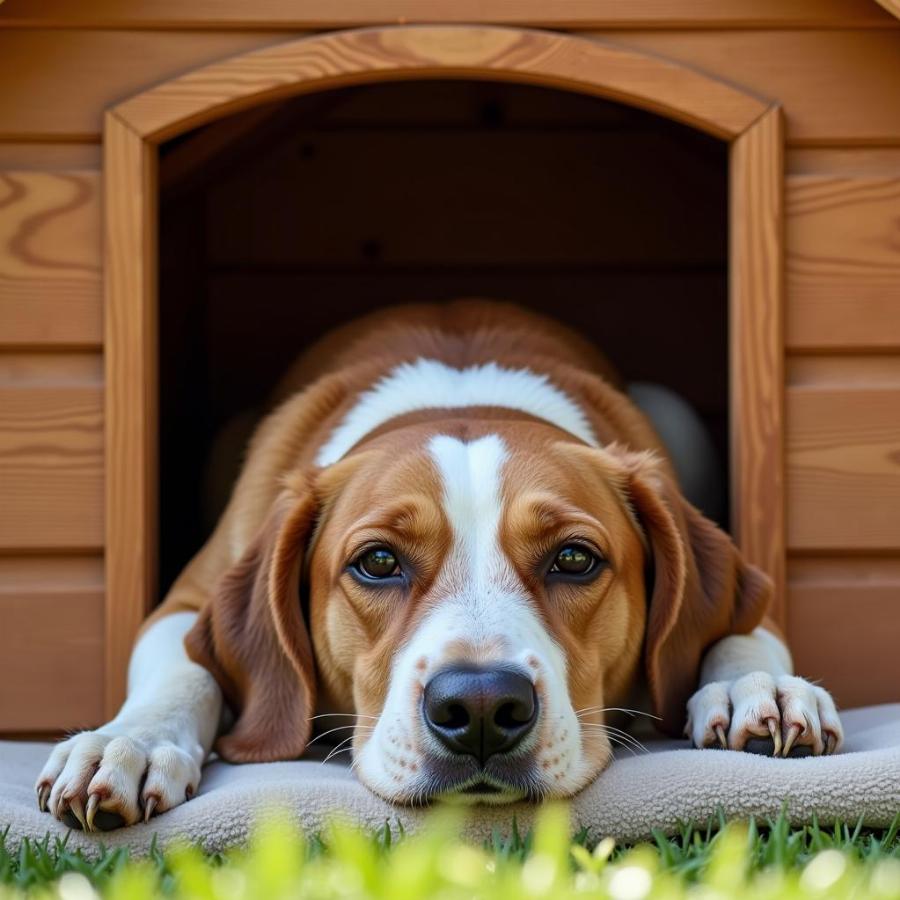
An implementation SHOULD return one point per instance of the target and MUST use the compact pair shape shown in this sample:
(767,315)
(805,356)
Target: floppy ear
(251,636)
(702,589)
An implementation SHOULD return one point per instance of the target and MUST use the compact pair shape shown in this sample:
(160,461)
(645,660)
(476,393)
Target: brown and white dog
(456,531)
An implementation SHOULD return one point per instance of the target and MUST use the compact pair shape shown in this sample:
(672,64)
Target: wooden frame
(133,129)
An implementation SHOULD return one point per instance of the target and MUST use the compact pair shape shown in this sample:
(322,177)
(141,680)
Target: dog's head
(477,595)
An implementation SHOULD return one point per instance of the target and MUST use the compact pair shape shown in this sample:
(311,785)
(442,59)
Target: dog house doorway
(630,198)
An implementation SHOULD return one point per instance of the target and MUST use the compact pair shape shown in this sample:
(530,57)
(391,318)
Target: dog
(457,536)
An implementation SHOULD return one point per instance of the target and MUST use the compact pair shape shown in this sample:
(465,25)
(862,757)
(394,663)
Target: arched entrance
(135,128)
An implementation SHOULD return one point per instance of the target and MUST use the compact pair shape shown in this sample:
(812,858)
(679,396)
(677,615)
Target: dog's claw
(775,731)
(830,743)
(43,795)
(77,810)
(793,733)
(149,808)
(720,734)
(91,810)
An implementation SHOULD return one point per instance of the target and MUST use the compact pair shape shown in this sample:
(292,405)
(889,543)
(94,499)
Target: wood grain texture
(65,80)
(51,643)
(51,466)
(131,378)
(50,258)
(757,342)
(379,54)
(843,467)
(869,371)
(320,14)
(856,161)
(836,87)
(843,262)
(843,622)
(55,157)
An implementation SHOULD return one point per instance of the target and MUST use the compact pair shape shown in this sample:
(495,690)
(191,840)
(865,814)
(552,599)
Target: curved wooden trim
(444,51)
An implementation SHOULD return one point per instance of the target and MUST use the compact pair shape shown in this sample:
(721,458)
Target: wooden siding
(51,643)
(842,622)
(835,85)
(51,452)
(50,258)
(843,418)
(834,65)
(843,262)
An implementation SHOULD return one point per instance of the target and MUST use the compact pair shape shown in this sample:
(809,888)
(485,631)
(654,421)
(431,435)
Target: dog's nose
(480,712)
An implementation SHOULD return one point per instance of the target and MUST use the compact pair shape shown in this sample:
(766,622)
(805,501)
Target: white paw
(790,715)
(99,780)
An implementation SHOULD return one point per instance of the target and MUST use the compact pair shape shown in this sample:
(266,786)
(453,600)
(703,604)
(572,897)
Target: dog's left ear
(702,588)
(251,636)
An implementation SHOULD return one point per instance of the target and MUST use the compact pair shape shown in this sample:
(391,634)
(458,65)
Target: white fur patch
(482,605)
(429,384)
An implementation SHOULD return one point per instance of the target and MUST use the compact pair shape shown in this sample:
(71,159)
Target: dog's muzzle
(478,712)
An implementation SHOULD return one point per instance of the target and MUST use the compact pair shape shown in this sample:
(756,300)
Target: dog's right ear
(251,636)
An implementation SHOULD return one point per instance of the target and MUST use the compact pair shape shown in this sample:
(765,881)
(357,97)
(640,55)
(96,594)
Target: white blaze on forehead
(470,474)
(429,384)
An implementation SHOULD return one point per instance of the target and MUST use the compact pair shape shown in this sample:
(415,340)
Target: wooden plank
(837,87)
(131,396)
(321,14)
(50,259)
(64,80)
(51,643)
(51,456)
(843,262)
(49,157)
(864,161)
(875,371)
(843,622)
(756,349)
(843,467)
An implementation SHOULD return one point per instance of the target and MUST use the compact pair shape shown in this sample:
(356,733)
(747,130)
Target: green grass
(742,860)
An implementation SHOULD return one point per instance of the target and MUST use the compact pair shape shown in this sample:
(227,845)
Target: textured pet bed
(659,789)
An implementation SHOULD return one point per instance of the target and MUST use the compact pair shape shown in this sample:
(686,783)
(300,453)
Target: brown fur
(283,511)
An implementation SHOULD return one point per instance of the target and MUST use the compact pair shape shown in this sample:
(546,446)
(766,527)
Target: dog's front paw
(98,781)
(780,716)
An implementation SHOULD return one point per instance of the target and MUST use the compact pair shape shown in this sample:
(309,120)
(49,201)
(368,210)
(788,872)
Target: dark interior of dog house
(285,220)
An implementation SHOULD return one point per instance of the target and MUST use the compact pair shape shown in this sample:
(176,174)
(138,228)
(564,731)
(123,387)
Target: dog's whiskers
(340,728)
(354,715)
(602,709)
(617,734)
(338,750)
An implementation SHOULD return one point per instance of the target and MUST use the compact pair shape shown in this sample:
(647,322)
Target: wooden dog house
(189,192)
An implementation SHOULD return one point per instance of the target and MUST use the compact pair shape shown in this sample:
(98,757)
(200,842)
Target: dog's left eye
(574,559)
(379,562)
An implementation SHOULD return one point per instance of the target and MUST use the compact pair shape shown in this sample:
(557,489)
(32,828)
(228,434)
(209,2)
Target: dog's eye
(574,559)
(379,562)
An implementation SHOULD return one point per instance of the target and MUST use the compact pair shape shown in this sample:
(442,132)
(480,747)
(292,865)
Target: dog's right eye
(377,563)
